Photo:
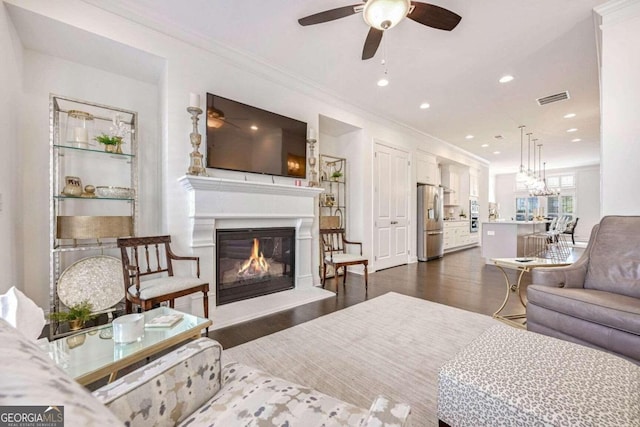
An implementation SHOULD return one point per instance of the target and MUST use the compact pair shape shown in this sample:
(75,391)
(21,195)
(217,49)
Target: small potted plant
(77,315)
(114,140)
(336,175)
(111,143)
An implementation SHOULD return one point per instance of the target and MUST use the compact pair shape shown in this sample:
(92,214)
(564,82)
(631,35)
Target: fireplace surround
(226,204)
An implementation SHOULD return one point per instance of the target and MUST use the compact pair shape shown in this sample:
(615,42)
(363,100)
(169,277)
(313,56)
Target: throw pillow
(22,313)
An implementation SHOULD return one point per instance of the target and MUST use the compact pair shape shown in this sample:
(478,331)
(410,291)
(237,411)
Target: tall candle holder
(313,174)
(195,167)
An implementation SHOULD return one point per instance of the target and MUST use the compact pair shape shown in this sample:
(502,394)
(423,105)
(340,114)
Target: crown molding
(616,11)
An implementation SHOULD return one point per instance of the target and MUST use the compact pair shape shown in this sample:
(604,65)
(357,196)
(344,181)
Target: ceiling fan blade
(434,16)
(329,15)
(371,43)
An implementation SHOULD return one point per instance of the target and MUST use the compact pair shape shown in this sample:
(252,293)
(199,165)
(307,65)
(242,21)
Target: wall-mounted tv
(248,139)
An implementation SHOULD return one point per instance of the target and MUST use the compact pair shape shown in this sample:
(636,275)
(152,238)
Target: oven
(474,214)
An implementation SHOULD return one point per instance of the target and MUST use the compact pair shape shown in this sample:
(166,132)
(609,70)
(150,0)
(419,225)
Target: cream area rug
(392,345)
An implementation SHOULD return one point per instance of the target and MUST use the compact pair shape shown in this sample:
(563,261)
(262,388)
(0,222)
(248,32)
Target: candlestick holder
(313,174)
(195,167)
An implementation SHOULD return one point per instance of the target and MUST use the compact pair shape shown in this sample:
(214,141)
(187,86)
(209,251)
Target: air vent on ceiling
(553,98)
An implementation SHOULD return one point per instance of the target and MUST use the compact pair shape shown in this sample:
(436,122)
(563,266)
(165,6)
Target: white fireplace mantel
(204,183)
(219,203)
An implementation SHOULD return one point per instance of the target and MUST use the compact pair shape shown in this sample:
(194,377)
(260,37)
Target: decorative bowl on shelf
(114,192)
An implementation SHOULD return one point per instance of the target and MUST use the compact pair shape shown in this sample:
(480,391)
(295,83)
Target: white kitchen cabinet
(427,169)
(457,235)
(474,183)
(449,236)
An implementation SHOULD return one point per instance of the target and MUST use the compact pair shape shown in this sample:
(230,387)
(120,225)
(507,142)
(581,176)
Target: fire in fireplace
(254,262)
(256,265)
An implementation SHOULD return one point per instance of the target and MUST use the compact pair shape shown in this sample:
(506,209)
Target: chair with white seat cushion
(334,254)
(146,256)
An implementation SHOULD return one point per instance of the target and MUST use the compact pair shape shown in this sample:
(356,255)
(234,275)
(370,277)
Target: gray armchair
(596,300)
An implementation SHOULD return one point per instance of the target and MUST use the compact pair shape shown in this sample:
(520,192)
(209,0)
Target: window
(526,208)
(562,205)
(561,181)
(553,182)
(567,181)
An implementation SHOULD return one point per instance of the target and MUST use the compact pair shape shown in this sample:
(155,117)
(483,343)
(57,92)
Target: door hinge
(375,258)
(409,162)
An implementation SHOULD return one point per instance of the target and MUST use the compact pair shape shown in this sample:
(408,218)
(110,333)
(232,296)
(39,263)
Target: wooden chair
(334,254)
(141,256)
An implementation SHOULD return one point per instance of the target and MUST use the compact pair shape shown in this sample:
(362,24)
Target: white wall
(587,196)
(11,258)
(43,75)
(620,104)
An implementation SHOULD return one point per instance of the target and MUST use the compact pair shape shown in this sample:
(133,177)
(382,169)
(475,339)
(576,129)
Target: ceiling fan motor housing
(385,14)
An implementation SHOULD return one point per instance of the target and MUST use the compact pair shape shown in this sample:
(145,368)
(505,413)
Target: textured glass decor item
(114,192)
(97,280)
(80,126)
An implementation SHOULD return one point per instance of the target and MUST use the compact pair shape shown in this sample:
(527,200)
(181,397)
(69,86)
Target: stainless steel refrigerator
(430,223)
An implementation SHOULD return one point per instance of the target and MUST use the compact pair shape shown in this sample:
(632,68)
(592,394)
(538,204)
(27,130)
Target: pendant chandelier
(534,180)
(541,189)
(521,176)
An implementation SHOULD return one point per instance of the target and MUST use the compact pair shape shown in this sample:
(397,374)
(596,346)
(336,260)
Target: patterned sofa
(185,387)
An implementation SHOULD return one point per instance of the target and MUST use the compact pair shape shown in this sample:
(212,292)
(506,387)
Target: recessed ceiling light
(496,152)
(569,116)
(576,140)
(484,145)
(425,105)
(383,82)
(506,79)
(254,127)
(572,130)
(468,137)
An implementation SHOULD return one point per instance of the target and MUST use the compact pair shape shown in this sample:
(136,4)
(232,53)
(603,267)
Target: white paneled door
(391,206)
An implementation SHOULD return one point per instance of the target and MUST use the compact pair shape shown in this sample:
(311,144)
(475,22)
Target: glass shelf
(332,181)
(92,150)
(61,198)
(68,247)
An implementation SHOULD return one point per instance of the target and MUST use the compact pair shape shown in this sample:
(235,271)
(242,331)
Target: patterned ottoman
(511,377)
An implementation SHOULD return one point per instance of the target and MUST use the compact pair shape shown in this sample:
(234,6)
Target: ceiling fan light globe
(214,122)
(385,14)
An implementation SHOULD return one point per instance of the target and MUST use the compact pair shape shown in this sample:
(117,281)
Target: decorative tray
(98,280)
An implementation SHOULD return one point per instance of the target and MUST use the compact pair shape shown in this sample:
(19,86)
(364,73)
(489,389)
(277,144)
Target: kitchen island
(505,239)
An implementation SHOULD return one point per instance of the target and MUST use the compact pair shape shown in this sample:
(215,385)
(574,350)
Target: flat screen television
(248,139)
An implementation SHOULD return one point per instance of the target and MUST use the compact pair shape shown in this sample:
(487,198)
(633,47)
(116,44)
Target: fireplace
(254,262)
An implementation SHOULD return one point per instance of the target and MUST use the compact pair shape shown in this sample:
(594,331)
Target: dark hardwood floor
(460,279)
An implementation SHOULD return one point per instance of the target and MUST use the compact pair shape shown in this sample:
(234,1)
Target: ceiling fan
(381,15)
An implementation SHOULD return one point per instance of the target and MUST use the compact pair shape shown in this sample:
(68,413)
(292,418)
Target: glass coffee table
(92,354)
(524,265)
